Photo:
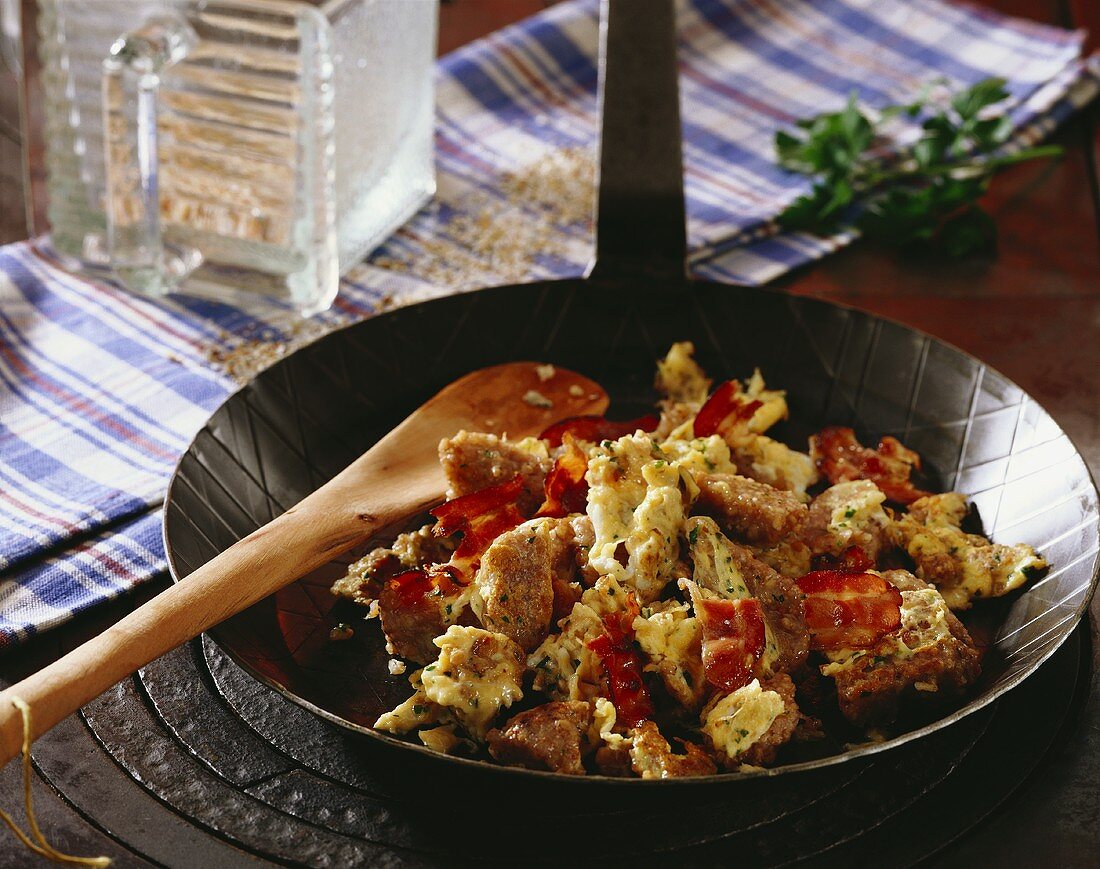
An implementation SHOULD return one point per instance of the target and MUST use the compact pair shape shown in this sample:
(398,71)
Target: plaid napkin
(100,391)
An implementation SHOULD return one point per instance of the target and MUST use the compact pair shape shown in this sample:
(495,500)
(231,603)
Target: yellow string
(38,844)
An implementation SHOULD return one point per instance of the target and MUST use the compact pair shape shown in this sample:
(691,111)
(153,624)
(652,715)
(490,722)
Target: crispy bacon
(624,679)
(840,457)
(849,610)
(724,409)
(412,587)
(596,428)
(480,517)
(733,640)
(565,488)
(623,665)
(851,560)
(620,624)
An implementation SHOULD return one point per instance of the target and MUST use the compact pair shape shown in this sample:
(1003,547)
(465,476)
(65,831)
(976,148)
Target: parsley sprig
(925,193)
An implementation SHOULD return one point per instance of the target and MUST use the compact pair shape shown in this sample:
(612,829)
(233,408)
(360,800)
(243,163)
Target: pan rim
(862,751)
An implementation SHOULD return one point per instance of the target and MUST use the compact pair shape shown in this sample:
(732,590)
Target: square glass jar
(220,146)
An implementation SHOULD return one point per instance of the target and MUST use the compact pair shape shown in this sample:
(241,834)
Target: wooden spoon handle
(398,477)
(326,524)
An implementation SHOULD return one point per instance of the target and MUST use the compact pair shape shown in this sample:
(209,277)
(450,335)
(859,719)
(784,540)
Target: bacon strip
(851,560)
(846,610)
(414,586)
(596,428)
(624,678)
(724,409)
(622,665)
(566,490)
(733,640)
(840,457)
(480,517)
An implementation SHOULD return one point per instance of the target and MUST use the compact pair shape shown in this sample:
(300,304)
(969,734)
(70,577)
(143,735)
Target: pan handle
(640,219)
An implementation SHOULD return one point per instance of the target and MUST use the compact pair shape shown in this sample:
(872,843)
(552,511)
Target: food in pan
(679,594)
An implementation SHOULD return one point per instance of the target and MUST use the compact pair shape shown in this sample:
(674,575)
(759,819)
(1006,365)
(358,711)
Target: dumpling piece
(417,608)
(515,583)
(929,659)
(473,461)
(651,756)
(964,567)
(750,510)
(553,737)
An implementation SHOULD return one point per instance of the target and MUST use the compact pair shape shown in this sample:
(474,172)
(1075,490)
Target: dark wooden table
(1032,311)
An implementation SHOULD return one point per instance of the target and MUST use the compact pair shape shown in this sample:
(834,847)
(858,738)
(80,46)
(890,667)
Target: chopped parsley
(693,537)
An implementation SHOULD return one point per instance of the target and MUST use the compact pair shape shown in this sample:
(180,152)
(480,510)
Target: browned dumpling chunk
(929,660)
(473,461)
(553,737)
(749,510)
(516,580)
(651,756)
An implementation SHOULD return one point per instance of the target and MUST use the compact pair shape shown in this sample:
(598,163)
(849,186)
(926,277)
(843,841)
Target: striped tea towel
(100,390)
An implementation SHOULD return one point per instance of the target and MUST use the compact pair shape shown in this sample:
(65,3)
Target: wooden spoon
(398,477)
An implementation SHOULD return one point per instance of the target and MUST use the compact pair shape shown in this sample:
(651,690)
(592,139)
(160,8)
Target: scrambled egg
(442,739)
(563,665)
(637,509)
(739,719)
(603,725)
(708,455)
(775,463)
(415,712)
(962,566)
(791,558)
(859,511)
(476,675)
(679,376)
(671,638)
(923,620)
(773,406)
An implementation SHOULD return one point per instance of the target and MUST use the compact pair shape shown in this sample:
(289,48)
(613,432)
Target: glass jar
(218,146)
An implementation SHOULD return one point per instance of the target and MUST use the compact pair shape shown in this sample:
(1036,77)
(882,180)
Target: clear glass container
(215,146)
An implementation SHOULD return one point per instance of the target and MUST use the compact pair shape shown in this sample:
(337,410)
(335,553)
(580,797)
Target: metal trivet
(231,774)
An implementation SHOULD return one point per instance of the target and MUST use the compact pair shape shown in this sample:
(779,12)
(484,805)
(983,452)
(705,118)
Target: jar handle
(132,70)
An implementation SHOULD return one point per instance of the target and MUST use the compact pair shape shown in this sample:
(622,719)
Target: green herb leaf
(925,193)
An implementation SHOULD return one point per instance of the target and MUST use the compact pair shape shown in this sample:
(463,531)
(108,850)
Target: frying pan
(302,420)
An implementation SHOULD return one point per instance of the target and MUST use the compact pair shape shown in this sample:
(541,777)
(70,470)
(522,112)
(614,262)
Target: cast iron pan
(305,418)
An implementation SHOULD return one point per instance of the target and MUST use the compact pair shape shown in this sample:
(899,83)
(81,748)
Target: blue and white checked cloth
(100,391)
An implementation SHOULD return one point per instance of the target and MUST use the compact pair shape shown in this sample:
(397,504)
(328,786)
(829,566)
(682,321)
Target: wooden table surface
(1032,311)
